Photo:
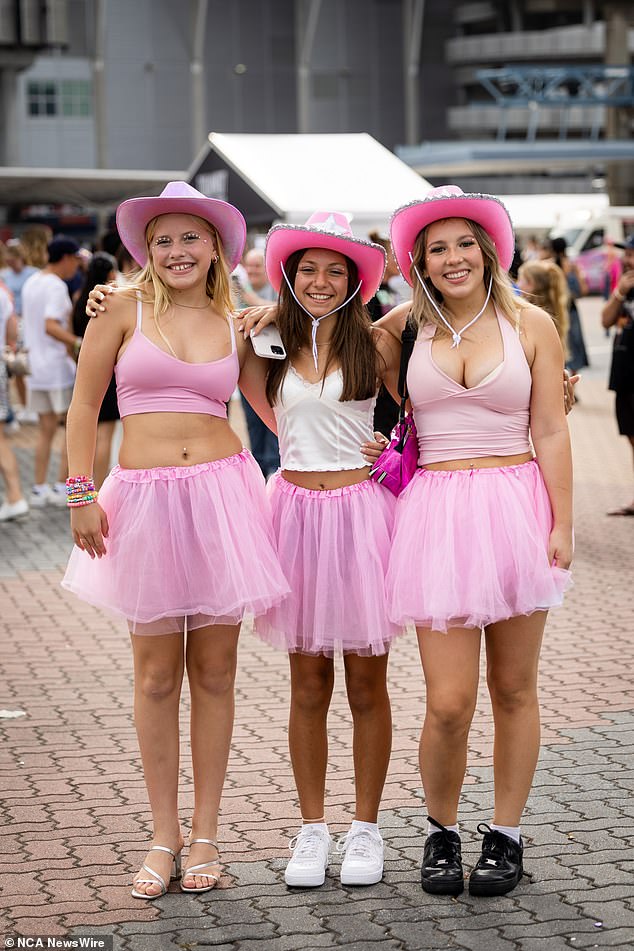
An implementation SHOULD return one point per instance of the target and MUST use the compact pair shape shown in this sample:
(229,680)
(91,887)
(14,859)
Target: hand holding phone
(268,343)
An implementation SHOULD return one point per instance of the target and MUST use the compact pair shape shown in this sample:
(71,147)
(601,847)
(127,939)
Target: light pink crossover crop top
(149,380)
(490,419)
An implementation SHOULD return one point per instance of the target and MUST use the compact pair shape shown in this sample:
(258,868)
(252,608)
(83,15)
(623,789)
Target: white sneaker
(40,497)
(58,494)
(363,857)
(24,415)
(310,848)
(11,510)
(12,428)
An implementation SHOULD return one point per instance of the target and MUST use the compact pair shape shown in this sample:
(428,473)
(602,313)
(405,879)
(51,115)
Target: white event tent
(274,178)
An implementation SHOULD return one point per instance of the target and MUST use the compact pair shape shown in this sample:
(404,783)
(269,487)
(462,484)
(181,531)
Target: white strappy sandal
(158,879)
(197,869)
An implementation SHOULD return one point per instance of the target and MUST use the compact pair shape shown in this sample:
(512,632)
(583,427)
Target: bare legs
(158,675)
(159,663)
(9,469)
(451,669)
(512,681)
(312,680)
(366,683)
(211,670)
(46,433)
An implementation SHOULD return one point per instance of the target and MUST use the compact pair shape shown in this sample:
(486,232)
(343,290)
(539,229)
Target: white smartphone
(268,343)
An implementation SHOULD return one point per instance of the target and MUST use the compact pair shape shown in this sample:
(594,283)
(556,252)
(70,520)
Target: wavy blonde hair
(502,293)
(550,292)
(154,290)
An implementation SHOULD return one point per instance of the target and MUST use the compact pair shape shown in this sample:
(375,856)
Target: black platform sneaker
(441,872)
(499,868)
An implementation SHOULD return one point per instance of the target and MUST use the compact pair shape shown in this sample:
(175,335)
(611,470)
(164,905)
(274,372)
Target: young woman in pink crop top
(483,533)
(169,544)
(332,526)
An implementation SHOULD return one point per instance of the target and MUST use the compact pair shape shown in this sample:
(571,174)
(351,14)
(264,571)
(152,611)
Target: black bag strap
(408,339)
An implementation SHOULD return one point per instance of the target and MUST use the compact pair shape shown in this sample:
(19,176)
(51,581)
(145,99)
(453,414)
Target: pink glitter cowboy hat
(331,230)
(449,201)
(134,215)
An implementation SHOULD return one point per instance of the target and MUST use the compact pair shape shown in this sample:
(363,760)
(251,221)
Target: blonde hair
(35,242)
(550,292)
(502,293)
(154,290)
(17,249)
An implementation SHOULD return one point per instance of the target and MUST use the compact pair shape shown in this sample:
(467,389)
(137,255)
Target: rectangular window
(67,97)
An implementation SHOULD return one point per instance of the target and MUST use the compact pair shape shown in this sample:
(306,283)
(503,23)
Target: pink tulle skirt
(190,545)
(470,547)
(333,546)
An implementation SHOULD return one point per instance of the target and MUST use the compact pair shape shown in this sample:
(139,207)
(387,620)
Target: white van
(586,241)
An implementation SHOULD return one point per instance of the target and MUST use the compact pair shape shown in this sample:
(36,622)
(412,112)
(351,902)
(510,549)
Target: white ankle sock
(316,825)
(431,829)
(513,832)
(358,824)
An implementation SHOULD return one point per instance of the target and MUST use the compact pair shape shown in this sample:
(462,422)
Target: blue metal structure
(558,86)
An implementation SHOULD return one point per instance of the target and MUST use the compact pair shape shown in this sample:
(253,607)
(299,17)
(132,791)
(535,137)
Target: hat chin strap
(317,320)
(455,335)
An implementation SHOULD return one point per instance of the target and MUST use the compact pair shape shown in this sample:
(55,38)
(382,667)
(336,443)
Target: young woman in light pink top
(483,535)
(179,542)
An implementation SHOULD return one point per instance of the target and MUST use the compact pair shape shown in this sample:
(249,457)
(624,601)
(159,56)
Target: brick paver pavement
(74,814)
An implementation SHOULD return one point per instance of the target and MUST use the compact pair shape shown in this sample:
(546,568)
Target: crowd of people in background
(63,274)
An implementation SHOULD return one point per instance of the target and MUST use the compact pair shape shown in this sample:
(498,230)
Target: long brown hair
(153,289)
(502,293)
(352,347)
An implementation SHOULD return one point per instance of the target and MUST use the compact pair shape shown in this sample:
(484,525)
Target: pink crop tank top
(149,380)
(490,419)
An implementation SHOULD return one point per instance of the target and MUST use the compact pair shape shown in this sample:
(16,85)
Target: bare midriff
(322,481)
(152,440)
(481,462)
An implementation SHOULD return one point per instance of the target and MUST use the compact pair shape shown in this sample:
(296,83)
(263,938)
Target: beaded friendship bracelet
(80,490)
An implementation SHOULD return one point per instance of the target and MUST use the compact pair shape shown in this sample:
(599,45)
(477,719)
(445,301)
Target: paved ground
(75,820)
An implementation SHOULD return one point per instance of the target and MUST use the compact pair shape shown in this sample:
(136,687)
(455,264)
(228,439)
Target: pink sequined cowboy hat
(449,201)
(134,215)
(331,230)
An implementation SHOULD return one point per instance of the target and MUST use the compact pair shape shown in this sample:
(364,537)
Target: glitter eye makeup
(190,237)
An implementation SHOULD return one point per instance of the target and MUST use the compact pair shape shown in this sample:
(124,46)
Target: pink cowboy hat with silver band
(134,215)
(331,230)
(449,201)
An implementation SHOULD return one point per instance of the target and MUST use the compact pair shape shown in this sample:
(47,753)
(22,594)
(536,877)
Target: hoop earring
(214,260)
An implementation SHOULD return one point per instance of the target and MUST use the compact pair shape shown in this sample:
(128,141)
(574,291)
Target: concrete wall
(250,55)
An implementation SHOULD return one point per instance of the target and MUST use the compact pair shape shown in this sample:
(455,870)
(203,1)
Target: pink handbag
(399,460)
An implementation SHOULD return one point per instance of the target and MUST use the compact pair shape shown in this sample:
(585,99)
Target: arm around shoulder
(389,350)
(394,320)
(100,348)
(546,359)
(252,383)
(98,355)
(548,427)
